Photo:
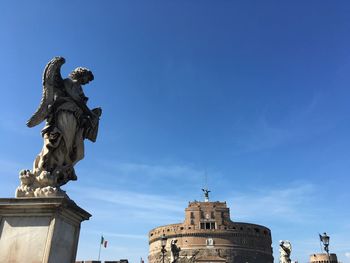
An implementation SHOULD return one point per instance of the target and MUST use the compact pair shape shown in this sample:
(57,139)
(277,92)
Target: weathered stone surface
(23,236)
(39,230)
(234,255)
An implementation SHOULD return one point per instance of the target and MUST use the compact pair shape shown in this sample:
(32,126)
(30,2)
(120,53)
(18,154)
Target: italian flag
(103,242)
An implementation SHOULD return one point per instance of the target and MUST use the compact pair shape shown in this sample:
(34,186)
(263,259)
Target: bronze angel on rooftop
(68,122)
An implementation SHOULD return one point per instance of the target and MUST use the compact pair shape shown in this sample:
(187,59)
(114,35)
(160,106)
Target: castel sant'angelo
(209,235)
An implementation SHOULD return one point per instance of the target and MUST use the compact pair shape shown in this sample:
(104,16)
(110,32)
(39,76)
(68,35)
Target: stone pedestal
(39,230)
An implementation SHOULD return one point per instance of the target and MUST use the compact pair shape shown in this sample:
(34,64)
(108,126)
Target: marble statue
(285,251)
(68,122)
(175,251)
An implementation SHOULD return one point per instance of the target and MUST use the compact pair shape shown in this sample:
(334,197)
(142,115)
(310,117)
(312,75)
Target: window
(207,225)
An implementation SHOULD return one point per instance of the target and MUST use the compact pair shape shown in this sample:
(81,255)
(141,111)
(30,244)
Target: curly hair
(80,72)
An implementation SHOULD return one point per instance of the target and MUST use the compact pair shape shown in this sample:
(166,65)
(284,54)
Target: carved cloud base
(43,185)
(41,230)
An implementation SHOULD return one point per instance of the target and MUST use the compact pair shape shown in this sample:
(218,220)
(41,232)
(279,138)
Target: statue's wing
(51,80)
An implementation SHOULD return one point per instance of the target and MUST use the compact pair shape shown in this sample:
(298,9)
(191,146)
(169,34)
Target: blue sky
(253,93)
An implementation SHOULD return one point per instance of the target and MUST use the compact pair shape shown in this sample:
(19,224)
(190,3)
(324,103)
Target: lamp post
(325,240)
(163,244)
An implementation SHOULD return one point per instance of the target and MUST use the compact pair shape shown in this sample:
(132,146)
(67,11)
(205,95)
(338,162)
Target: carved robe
(63,134)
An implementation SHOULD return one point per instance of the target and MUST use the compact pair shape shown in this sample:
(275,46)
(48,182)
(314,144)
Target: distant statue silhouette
(206,194)
(175,251)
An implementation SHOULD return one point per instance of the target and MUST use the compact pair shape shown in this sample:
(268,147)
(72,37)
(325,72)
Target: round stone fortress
(209,235)
(323,258)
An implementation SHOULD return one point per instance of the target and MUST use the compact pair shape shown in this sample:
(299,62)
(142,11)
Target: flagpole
(99,251)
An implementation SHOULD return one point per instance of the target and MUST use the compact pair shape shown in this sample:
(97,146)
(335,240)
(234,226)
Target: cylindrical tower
(209,235)
(323,258)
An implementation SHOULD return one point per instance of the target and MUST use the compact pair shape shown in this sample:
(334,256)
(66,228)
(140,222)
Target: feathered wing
(52,80)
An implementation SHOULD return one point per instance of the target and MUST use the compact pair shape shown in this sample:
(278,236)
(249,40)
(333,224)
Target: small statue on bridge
(285,251)
(175,251)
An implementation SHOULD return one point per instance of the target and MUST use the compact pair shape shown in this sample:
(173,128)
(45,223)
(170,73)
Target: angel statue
(206,194)
(285,251)
(68,122)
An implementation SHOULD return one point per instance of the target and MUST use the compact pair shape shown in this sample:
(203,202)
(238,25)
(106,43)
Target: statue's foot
(26,189)
(26,177)
(45,178)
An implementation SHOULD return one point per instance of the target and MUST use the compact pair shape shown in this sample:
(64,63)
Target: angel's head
(82,75)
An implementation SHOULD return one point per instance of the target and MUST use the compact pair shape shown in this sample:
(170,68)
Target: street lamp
(325,240)
(163,240)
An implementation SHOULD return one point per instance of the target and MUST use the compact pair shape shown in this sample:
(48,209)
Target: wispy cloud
(276,204)
(266,134)
(152,171)
(130,199)
(10,167)
(9,175)
(150,208)
(122,235)
(290,204)
(144,178)
(11,123)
